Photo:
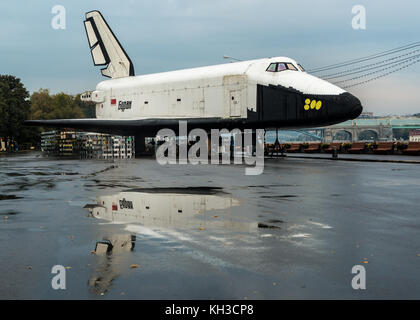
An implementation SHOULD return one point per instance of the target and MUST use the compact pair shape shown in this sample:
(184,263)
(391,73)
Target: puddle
(53,173)
(14,174)
(286,196)
(181,190)
(275,221)
(11,213)
(267,226)
(25,184)
(9,197)
(104,170)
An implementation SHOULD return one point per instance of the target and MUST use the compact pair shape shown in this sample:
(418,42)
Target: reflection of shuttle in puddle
(174,207)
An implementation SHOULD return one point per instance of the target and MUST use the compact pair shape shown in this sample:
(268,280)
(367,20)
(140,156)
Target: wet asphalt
(133,229)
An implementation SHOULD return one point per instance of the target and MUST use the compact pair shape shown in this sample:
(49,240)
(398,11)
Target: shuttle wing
(105,48)
(133,127)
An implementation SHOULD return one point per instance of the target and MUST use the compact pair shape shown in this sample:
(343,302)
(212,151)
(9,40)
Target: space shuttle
(256,94)
(167,208)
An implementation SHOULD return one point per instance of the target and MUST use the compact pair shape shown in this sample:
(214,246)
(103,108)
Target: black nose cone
(350,105)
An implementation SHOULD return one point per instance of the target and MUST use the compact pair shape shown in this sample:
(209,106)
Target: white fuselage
(223,91)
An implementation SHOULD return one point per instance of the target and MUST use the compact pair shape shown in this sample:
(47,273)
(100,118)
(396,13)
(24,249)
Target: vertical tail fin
(105,48)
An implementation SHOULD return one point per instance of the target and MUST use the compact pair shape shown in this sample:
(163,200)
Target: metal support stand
(335,153)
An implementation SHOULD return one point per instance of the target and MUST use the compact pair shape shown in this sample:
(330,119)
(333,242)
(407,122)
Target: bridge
(362,129)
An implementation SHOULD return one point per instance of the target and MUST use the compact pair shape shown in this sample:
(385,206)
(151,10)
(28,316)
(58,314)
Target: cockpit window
(281,66)
(301,68)
(272,67)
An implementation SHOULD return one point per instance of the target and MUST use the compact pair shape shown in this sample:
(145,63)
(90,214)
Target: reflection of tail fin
(105,47)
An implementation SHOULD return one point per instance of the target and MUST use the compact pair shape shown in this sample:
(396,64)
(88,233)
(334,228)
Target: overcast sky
(162,35)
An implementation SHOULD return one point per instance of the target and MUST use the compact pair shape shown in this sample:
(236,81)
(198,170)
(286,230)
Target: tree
(14,109)
(41,105)
(59,106)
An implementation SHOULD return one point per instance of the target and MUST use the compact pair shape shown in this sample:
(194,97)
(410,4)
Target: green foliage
(41,104)
(14,109)
(45,106)
(16,106)
(59,106)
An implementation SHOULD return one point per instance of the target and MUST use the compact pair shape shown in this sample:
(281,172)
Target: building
(366,115)
(59,143)
(87,145)
(93,145)
(49,142)
(123,147)
(414,135)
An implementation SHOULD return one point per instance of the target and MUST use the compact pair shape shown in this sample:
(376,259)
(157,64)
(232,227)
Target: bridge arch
(368,135)
(342,135)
